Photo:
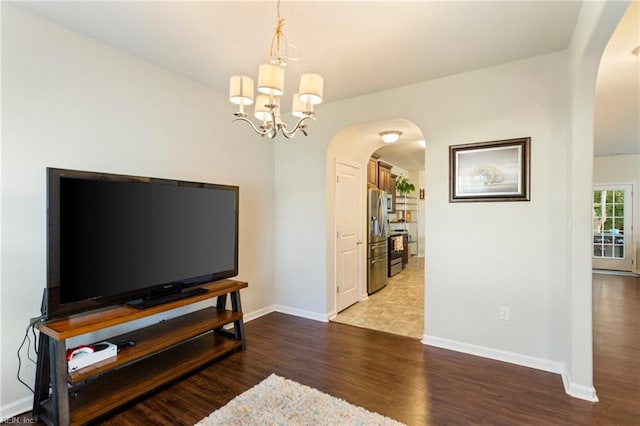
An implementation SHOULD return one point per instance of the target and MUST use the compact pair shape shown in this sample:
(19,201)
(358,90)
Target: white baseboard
(587,393)
(497,354)
(259,313)
(290,311)
(302,313)
(10,411)
(287,310)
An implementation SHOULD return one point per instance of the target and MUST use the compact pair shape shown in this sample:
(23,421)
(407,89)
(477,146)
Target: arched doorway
(355,145)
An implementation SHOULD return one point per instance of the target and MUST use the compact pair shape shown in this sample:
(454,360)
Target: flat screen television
(114,239)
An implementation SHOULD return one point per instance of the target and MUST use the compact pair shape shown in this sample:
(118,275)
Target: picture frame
(490,171)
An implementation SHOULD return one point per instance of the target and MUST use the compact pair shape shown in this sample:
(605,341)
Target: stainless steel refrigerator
(377,240)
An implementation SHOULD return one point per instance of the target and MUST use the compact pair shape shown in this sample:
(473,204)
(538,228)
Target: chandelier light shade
(271,79)
(300,109)
(311,86)
(241,90)
(261,110)
(271,88)
(390,136)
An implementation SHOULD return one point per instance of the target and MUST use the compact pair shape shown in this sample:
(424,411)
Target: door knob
(359,242)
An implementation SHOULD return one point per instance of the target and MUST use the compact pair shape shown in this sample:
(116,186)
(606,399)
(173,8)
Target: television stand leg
(60,394)
(51,371)
(236,306)
(41,390)
(238,326)
(221,301)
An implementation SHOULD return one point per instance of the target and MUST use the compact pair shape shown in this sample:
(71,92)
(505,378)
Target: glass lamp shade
(271,79)
(300,109)
(261,110)
(390,136)
(311,88)
(241,90)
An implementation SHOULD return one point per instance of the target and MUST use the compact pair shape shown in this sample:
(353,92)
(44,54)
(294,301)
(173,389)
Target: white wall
(479,256)
(71,102)
(470,263)
(622,169)
(596,22)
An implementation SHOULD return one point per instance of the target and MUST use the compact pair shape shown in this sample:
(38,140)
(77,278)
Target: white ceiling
(358,46)
(617,104)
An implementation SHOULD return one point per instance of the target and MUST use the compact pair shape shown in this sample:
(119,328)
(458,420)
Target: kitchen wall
(71,102)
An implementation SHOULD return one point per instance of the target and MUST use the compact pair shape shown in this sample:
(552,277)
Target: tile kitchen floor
(398,308)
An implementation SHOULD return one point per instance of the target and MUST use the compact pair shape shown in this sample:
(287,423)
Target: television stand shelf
(186,342)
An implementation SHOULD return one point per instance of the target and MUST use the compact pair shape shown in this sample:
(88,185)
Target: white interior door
(348,209)
(612,229)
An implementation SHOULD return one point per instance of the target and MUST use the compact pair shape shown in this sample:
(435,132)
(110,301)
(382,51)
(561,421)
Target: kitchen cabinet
(387,182)
(391,207)
(384,176)
(372,171)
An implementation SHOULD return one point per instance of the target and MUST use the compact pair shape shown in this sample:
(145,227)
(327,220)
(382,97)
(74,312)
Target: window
(608,223)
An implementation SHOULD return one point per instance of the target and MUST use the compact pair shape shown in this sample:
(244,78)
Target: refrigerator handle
(382,210)
(375,227)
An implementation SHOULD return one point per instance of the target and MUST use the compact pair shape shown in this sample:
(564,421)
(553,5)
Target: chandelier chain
(271,88)
(279,54)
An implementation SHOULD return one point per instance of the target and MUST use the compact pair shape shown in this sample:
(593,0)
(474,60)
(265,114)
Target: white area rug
(280,401)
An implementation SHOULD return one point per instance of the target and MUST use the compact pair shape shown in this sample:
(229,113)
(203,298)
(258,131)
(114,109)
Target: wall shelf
(406,215)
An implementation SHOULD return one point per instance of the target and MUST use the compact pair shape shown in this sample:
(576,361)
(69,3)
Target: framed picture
(490,171)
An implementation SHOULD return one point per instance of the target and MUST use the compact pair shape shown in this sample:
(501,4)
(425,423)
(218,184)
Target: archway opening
(352,147)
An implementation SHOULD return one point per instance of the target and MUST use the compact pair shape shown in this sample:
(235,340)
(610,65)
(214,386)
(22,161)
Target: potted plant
(403,185)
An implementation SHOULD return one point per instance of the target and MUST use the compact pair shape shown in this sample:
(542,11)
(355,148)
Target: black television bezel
(54,309)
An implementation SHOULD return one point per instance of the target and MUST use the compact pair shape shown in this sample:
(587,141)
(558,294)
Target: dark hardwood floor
(416,384)
(616,347)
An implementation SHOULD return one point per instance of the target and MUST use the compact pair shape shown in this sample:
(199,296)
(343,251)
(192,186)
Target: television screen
(115,238)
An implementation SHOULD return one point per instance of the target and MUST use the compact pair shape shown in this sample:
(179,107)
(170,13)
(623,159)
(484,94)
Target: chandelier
(271,88)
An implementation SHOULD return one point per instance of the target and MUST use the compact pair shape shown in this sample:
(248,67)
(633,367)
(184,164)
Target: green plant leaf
(403,185)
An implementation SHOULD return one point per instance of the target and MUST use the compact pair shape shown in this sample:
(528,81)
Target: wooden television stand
(164,351)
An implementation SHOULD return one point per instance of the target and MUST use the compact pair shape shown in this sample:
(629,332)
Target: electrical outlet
(503,314)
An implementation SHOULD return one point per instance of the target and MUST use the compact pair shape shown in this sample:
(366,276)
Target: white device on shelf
(84,356)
